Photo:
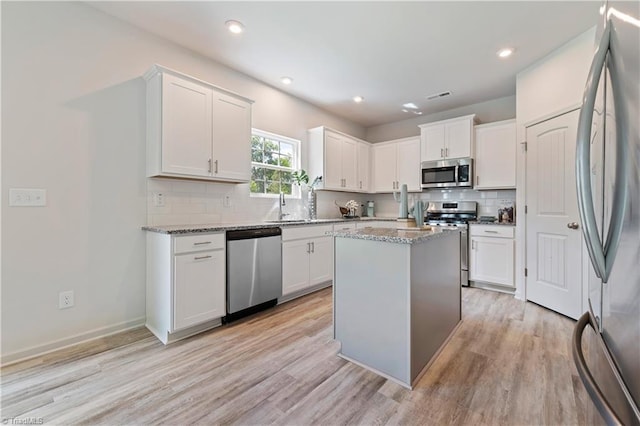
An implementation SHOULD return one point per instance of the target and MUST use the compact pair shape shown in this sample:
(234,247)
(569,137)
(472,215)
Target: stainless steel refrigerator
(606,341)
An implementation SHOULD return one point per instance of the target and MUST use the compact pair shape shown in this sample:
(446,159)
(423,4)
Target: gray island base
(397,298)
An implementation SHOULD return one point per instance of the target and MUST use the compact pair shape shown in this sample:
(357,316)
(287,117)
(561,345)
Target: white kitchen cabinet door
(321,260)
(332,177)
(364,166)
(199,288)
(458,135)
(349,164)
(231,138)
(495,158)
(295,265)
(384,168)
(408,164)
(432,143)
(187,126)
(491,260)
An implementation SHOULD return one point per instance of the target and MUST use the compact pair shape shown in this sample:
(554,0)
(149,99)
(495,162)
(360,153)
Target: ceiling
(390,53)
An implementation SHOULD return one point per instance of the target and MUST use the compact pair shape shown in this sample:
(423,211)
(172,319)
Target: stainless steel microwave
(447,173)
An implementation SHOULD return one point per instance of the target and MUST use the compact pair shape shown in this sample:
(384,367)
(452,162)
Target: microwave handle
(456,173)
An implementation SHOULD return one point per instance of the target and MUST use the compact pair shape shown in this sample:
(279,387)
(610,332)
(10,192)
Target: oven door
(439,176)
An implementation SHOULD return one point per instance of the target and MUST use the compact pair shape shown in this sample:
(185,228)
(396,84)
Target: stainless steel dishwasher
(254,271)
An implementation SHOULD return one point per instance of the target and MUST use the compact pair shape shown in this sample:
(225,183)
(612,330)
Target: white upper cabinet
(495,159)
(196,130)
(337,158)
(364,166)
(395,163)
(447,139)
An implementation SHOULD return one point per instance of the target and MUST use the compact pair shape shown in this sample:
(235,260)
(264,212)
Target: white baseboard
(304,292)
(39,350)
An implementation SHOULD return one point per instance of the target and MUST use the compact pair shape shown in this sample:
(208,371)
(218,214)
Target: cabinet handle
(473,245)
(201,243)
(360,184)
(202,257)
(308,247)
(216,163)
(446,152)
(490,232)
(477,180)
(209,165)
(313,247)
(441,152)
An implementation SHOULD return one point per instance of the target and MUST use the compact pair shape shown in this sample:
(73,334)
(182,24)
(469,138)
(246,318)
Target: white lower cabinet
(491,254)
(307,257)
(186,284)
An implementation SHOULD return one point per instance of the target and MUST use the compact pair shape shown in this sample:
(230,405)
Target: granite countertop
(390,235)
(477,222)
(234,226)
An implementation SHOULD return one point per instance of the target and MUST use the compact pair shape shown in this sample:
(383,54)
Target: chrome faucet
(281,203)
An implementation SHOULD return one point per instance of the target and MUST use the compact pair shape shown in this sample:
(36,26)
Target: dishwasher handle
(248,234)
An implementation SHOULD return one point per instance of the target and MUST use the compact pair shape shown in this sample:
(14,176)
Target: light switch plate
(27,197)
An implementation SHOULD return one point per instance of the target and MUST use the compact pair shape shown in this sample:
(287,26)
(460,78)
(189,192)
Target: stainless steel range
(455,215)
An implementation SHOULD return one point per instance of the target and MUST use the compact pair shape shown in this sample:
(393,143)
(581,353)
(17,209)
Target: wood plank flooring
(509,363)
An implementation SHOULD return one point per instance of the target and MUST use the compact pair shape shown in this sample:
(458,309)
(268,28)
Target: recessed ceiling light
(404,110)
(358,99)
(410,105)
(506,52)
(235,27)
(286,80)
(417,112)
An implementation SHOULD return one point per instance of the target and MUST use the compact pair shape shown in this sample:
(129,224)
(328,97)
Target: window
(274,158)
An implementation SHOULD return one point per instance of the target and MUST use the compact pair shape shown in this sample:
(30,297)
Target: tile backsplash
(488,201)
(192,202)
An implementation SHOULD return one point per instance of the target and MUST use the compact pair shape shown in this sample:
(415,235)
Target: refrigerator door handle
(598,398)
(594,391)
(583,158)
(620,187)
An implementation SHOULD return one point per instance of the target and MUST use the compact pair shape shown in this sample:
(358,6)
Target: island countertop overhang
(391,235)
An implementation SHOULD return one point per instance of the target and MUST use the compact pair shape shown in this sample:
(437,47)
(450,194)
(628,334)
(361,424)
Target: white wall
(74,123)
(553,85)
(486,112)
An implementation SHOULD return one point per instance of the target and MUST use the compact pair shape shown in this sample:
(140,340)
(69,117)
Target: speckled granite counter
(218,227)
(389,235)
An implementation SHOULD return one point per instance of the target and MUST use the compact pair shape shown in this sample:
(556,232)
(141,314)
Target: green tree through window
(273,160)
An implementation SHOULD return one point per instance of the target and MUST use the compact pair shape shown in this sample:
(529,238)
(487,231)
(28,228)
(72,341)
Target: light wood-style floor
(508,363)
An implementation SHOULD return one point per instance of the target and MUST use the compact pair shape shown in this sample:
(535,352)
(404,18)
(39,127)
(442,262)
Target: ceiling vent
(438,95)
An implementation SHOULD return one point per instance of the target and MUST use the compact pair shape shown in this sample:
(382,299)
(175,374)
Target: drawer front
(343,226)
(200,242)
(499,231)
(305,231)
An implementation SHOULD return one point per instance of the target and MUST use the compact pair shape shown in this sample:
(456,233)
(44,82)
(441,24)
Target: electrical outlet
(65,299)
(226,201)
(27,197)
(158,199)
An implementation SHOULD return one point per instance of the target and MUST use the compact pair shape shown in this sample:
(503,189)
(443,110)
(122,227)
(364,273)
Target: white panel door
(408,164)
(553,248)
(199,288)
(350,164)
(384,168)
(432,143)
(187,127)
(295,265)
(332,161)
(231,138)
(321,260)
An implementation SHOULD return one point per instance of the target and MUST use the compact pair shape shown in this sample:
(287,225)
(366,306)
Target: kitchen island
(396,298)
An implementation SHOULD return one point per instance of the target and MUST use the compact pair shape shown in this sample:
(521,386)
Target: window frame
(296,191)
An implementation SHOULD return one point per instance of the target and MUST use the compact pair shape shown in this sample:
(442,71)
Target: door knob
(572,225)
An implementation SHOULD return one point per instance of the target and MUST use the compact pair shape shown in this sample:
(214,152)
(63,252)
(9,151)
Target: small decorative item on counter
(418,212)
(506,213)
(352,206)
(403,213)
